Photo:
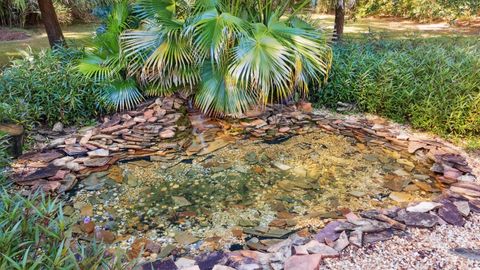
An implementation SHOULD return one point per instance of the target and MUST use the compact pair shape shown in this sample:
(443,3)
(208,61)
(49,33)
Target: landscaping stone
(449,212)
(305,262)
(370,238)
(329,233)
(314,247)
(416,219)
(423,207)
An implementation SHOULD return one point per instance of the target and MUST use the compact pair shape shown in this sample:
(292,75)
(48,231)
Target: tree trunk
(15,137)
(52,26)
(339,19)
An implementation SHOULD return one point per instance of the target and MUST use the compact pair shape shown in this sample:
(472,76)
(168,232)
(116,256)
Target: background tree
(339,18)
(50,21)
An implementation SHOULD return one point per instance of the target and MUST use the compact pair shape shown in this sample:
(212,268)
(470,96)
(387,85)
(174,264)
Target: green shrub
(64,13)
(432,83)
(45,88)
(36,235)
(4,156)
(423,10)
(231,54)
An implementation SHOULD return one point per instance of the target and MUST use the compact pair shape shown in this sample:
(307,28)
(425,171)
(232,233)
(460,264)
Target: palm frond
(155,8)
(121,94)
(212,32)
(219,94)
(264,64)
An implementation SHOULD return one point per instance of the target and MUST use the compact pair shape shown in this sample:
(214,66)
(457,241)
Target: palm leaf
(263,63)
(121,94)
(219,94)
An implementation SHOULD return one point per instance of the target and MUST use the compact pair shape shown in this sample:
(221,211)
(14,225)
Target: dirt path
(398,27)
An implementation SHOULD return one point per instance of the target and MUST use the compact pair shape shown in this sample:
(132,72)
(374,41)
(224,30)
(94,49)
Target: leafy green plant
(423,10)
(231,54)
(45,88)
(4,156)
(432,83)
(104,63)
(36,235)
(64,13)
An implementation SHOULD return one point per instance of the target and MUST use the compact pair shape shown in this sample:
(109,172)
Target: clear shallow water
(291,183)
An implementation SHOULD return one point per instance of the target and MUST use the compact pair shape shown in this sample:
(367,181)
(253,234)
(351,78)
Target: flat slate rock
(43,157)
(449,212)
(303,262)
(370,238)
(328,233)
(75,150)
(423,207)
(472,254)
(97,162)
(168,264)
(208,260)
(42,173)
(416,219)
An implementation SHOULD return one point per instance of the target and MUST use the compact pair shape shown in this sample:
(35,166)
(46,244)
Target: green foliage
(4,156)
(432,83)
(64,13)
(36,235)
(234,54)
(423,10)
(104,63)
(16,13)
(45,88)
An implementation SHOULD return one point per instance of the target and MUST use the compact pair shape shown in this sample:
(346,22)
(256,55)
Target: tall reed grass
(432,83)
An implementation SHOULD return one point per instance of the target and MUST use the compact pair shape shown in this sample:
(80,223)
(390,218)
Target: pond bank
(161,131)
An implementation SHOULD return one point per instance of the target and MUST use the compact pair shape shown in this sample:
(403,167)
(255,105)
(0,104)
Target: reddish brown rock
(59,175)
(167,134)
(305,262)
(105,236)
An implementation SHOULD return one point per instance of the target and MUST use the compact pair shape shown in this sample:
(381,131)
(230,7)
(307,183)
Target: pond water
(288,184)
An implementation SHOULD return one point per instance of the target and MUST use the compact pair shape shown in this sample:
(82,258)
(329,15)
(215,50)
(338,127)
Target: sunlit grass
(77,34)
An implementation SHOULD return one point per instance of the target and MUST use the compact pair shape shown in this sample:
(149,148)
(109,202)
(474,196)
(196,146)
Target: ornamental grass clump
(231,55)
(432,83)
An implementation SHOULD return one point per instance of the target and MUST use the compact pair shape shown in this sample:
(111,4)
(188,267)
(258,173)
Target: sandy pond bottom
(284,185)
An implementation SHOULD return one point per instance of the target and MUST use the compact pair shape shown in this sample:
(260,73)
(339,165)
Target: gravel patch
(419,249)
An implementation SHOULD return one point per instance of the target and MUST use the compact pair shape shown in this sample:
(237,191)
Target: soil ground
(36,39)
(389,27)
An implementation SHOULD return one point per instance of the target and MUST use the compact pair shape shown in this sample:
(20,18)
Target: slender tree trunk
(339,18)
(50,21)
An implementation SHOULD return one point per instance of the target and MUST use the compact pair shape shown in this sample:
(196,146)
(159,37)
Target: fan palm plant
(104,62)
(231,54)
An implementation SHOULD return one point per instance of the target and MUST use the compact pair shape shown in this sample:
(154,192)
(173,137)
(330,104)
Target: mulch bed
(9,35)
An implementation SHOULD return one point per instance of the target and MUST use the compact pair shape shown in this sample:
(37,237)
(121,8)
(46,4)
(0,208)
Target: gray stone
(356,238)
(423,207)
(449,212)
(314,247)
(463,207)
(184,263)
(58,127)
(180,201)
(281,166)
(99,153)
(370,238)
(415,219)
(472,254)
(329,233)
(342,242)
(305,262)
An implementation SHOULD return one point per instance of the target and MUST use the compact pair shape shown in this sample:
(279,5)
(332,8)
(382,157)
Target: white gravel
(420,249)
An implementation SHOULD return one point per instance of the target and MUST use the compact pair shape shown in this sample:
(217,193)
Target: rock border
(156,129)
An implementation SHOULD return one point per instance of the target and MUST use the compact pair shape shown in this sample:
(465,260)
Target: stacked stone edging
(159,128)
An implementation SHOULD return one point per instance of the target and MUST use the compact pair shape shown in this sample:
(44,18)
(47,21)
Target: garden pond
(262,188)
